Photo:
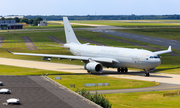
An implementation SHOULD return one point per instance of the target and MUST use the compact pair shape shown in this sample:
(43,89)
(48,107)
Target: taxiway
(170,81)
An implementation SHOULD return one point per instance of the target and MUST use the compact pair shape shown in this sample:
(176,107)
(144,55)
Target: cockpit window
(155,56)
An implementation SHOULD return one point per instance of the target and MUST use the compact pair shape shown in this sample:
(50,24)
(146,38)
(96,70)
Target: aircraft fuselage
(127,57)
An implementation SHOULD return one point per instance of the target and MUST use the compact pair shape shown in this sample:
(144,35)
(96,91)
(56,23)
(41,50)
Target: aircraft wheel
(88,71)
(126,70)
(147,74)
(122,69)
(118,69)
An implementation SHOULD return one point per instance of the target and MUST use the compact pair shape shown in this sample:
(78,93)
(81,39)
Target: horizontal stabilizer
(56,45)
(86,44)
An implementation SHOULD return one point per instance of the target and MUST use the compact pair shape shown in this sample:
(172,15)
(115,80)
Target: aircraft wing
(107,60)
(164,51)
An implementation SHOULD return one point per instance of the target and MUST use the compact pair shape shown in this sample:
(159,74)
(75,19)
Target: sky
(89,7)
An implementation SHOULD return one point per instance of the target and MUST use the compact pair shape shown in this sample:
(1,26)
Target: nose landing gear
(146,73)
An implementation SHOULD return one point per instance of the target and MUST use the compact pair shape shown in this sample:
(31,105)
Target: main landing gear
(122,69)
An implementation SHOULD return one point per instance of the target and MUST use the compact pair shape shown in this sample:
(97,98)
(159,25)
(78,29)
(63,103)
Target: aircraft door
(142,58)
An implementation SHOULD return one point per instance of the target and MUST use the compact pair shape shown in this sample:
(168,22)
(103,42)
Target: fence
(96,84)
(57,78)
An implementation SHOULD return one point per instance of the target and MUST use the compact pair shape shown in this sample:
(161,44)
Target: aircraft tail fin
(70,35)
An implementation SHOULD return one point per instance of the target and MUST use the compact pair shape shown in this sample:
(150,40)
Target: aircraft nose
(158,62)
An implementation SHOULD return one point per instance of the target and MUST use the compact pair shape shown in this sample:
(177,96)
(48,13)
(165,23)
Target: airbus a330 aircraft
(96,57)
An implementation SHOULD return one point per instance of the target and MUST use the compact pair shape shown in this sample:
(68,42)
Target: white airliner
(96,57)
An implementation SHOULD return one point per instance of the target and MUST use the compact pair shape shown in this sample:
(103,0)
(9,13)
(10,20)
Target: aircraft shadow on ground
(106,72)
(115,73)
(138,73)
(71,74)
(158,70)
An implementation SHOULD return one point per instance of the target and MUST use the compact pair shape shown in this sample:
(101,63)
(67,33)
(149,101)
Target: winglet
(164,51)
(169,49)
(9,51)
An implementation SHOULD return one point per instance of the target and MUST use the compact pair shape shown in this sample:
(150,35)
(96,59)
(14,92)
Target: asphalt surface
(162,86)
(29,44)
(56,40)
(90,41)
(153,40)
(46,65)
(37,92)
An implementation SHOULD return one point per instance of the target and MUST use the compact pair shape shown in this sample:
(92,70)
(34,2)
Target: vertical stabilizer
(70,35)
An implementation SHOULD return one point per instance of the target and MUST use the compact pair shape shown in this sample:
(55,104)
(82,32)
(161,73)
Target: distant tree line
(109,17)
(34,21)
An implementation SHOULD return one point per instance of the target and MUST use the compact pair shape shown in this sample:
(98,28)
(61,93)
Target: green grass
(13,70)
(115,83)
(153,99)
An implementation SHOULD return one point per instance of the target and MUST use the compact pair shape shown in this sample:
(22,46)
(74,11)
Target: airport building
(42,23)
(9,24)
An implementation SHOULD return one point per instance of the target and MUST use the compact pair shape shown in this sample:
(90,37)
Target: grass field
(115,83)
(153,99)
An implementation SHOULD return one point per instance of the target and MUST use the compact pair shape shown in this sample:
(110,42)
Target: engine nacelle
(93,67)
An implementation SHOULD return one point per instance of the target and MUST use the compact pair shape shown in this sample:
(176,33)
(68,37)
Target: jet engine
(93,67)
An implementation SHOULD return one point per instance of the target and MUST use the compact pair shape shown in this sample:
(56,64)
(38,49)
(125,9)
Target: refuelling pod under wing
(93,67)
(46,58)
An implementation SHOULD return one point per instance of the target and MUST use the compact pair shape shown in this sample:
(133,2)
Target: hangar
(9,24)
